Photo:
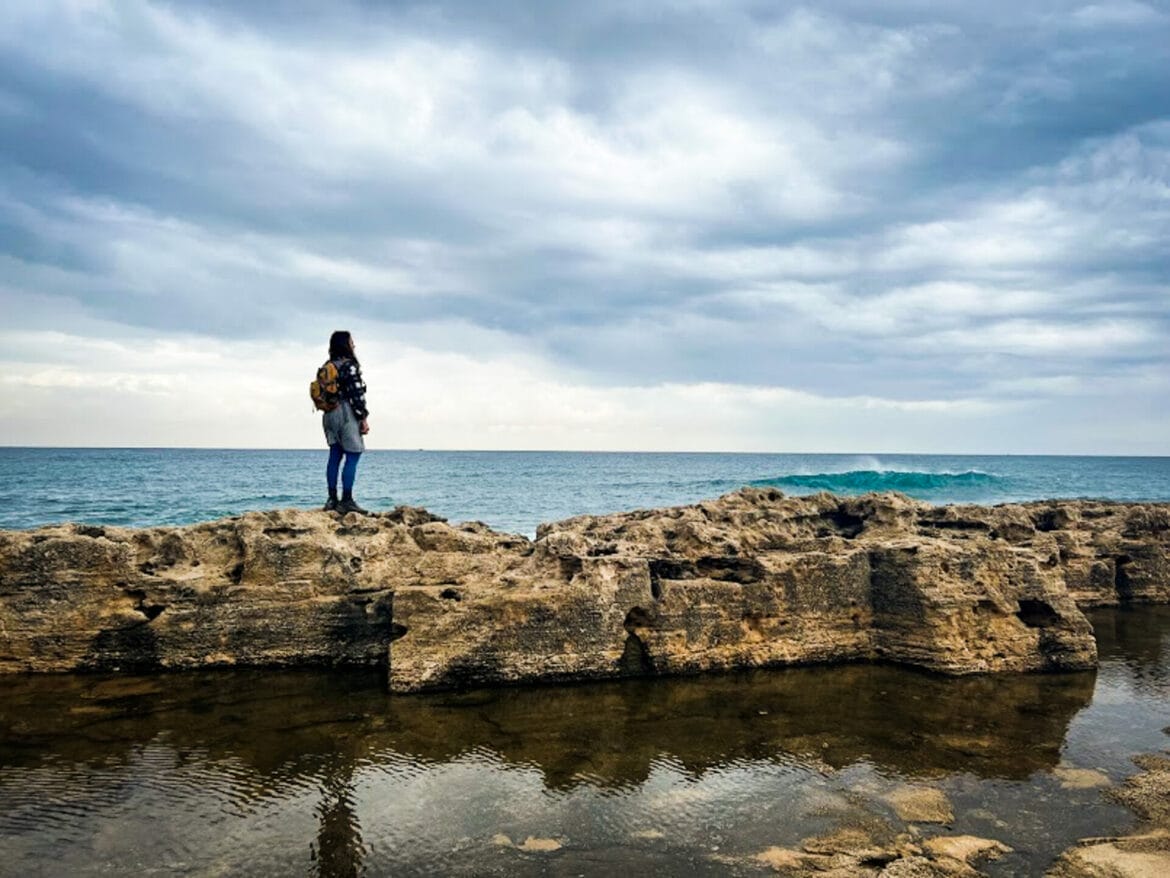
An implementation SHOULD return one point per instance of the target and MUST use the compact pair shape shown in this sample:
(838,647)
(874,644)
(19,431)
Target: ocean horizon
(518,490)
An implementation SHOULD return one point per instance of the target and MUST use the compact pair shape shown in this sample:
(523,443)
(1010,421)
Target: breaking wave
(862,481)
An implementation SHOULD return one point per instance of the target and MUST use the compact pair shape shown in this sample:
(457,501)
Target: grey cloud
(883,148)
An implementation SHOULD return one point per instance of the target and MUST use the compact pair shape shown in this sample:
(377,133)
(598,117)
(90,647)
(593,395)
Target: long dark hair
(341,346)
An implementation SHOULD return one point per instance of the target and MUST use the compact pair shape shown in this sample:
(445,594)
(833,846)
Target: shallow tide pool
(323,773)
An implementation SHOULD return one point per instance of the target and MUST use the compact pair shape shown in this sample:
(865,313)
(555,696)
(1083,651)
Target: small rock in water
(540,845)
(921,805)
(966,847)
(846,840)
(1080,778)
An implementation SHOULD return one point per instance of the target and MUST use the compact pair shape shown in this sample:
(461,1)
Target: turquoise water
(516,491)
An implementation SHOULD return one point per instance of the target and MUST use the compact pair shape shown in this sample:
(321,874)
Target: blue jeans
(336,453)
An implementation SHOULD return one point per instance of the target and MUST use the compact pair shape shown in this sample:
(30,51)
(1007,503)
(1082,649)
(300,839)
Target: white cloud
(1108,200)
(187,390)
(1031,337)
(63,389)
(906,312)
(1117,12)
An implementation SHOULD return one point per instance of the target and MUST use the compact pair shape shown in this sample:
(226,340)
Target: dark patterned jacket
(353,388)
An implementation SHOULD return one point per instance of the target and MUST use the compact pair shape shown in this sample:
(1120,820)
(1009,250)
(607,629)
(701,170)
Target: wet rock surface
(1143,854)
(752,579)
(875,850)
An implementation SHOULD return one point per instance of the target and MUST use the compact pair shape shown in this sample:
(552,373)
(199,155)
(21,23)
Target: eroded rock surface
(1142,854)
(748,580)
(874,851)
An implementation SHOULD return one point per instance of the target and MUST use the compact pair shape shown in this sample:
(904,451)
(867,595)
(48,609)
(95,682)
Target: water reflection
(339,851)
(325,773)
(609,734)
(1138,637)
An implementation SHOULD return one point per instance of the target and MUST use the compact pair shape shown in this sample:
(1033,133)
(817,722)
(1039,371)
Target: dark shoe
(348,504)
(331,504)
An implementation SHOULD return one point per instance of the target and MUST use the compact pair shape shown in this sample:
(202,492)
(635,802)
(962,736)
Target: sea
(515,491)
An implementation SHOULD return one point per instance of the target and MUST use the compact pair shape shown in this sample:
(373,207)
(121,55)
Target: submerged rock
(921,805)
(1072,778)
(752,579)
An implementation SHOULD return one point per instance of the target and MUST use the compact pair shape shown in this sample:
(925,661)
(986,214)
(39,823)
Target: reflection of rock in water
(610,734)
(1137,636)
(277,723)
(903,721)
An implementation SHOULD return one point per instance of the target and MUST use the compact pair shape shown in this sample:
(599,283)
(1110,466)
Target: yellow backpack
(325,389)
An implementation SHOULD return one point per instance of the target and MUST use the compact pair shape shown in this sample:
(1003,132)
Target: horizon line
(416,450)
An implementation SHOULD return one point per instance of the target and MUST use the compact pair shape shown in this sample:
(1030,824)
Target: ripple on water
(238,772)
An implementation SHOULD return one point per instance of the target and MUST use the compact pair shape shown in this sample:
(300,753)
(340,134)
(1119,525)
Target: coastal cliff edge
(751,579)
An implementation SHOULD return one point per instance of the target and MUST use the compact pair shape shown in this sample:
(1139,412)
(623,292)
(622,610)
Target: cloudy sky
(697,224)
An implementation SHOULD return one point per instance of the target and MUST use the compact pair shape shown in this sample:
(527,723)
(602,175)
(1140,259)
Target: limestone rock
(540,845)
(916,804)
(856,851)
(752,579)
(1148,793)
(965,848)
(1144,854)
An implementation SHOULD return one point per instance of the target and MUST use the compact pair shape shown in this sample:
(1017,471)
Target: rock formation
(751,579)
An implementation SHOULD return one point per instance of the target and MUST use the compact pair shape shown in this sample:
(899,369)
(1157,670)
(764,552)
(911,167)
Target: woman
(345,425)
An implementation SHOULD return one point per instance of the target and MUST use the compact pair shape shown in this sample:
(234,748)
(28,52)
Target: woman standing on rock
(346,425)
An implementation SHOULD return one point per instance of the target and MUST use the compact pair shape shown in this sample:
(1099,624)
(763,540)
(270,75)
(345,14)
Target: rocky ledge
(751,579)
